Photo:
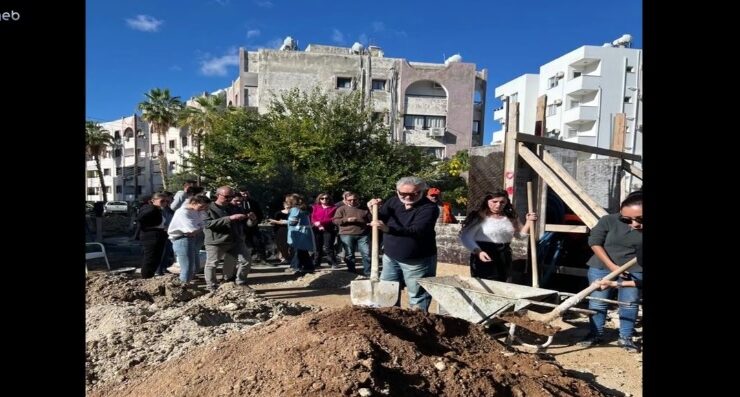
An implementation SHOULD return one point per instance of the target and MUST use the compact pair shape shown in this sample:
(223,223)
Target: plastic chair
(96,254)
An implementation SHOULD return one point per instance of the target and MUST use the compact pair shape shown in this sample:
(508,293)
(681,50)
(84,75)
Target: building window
(117,153)
(576,74)
(552,110)
(119,189)
(378,85)
(380,117)
(91,191)
(138,189)
(476,127)
(171,144)
(344,82)
(574,103)
(184,141)
(172,166)
(628,99)
(117,136)
(92,173)
(418,122)
(106,171)
(630,69)
(552,82)
(107,189)
(571,132)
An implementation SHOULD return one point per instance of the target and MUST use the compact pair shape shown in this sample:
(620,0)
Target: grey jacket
(218,228)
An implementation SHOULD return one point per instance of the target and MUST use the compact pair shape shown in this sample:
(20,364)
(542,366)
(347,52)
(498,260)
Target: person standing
(184,232)
(353,231)
(322,215)
(300,235)
(255,216)
(409,243)
(220,223)
(616,239)
(152,233)
(487,232)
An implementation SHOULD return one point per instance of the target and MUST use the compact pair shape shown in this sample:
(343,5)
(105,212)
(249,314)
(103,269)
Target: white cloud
(217,66)
(337,36)
(378,26)
(144,23)
(253,33)
(263,3)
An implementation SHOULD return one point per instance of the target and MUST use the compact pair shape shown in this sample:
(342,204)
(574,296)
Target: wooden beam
(554,164)
(632,169)
(618,132)
(551,227)
(510,157)
(558,186)
(576,146)
(539,118)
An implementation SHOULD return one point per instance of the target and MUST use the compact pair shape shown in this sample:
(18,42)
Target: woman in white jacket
(185,232)
(487,233)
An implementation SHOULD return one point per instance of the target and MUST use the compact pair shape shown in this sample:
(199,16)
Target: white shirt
(185,220)
(494,230)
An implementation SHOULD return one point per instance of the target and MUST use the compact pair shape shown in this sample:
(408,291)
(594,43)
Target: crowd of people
(306,234)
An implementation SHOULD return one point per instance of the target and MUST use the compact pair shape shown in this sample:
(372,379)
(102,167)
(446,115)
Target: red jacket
(323,215)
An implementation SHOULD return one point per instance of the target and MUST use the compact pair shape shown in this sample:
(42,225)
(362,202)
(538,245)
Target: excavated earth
(156,338)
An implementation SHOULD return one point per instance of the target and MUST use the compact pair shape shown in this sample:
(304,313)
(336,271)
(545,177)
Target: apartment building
(439,107)
(585,89)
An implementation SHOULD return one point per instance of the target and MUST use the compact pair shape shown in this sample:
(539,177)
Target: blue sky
(190,46)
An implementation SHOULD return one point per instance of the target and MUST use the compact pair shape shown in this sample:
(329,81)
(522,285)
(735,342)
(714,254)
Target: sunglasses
(411,194)
(323,198)
(628,220)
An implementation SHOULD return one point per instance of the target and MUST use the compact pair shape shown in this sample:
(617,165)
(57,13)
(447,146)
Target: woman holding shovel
(488,231)
(616,239)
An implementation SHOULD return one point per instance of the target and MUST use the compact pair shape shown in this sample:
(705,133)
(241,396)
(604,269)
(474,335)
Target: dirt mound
(131,322)
(356,351)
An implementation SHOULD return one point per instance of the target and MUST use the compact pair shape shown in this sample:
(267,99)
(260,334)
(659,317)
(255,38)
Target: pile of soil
(356,351)
(132,322)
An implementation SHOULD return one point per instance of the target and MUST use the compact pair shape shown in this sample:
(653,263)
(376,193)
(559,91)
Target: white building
(585,89)
(523,89)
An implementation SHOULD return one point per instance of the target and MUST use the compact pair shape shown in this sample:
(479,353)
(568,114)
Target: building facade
(586,88)
(439,107)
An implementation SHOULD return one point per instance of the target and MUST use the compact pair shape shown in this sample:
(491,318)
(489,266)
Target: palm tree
(162,112)
(200,119)
(97,140)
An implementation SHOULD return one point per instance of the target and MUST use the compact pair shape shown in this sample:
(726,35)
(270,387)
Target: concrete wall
(451,250)
(600,178)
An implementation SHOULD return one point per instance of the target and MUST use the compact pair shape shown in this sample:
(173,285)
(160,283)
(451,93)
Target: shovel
(373,292)
(536,322)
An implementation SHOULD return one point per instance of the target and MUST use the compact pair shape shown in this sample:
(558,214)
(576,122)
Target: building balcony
(582,85)
(580,115)
(499,115)
(426,105)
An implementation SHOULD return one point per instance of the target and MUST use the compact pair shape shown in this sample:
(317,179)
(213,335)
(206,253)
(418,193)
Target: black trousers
(152,247)
(253,238)
(499,267)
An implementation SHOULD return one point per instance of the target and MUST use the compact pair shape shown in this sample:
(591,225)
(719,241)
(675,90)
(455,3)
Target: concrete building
(585,89)
(436,106)
(134,148)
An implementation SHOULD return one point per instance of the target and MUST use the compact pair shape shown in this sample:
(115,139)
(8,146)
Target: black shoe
(628,345)
(591,340)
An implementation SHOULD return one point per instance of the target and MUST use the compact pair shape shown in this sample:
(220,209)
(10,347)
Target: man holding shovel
(409,243)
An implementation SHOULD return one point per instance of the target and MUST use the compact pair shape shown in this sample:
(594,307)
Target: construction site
(301,334)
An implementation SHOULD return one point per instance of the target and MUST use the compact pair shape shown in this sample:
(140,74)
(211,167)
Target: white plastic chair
(96,254)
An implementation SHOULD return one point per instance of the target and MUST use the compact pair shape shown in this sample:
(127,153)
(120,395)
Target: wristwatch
(619,283)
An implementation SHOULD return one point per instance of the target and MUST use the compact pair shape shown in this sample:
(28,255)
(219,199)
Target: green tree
(447,175)
(162,111)
(96,141)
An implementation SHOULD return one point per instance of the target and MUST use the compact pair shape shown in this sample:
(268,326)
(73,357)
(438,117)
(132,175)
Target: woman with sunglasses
(488,231)
(615,240)
(325,232)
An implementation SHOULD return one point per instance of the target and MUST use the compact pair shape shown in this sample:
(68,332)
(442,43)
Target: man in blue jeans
(409,242)
(353,231)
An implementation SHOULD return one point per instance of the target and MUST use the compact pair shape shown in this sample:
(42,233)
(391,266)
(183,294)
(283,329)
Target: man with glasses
(409,242)
(353,231)
(220,224)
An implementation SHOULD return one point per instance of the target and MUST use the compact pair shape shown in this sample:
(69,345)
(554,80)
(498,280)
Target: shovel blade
(374,293)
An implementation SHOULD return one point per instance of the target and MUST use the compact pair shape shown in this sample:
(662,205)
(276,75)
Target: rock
(364,392)
(440,365)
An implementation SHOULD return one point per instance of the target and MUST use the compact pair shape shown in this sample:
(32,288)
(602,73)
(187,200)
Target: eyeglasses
(410,194)
(628,220)
(228,196)
(323,198)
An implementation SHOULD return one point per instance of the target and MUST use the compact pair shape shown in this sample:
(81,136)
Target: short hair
(199,199)
(243,188)
(348,193)
(411,180)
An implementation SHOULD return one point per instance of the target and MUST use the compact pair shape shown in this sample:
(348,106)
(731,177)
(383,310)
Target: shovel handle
(532,239)
(374,273)
(573,300)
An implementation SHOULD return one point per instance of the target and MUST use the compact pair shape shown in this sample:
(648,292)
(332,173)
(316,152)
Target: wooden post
(619,131)
(532,239)
(510,147)
(539,123)
(540,127)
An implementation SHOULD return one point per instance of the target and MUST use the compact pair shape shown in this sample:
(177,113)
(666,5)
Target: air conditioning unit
(436,131)
(560,75)
(557,102)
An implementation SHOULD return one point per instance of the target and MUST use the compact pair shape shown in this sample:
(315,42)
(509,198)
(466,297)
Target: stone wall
(451,250)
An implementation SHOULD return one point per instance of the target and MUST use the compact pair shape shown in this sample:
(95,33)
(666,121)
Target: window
(172,166)
(418,122)
(344,82)
(628,99)
(106,171)
(630,69)
(117,136)
(171,144)
(552,82)
(476,127)
(574,103)
(92,173)
(91,191)
(552,110)
(184,141)
(118,189)
(117,153)
(576,74)
(378,85)
(107,189)
(118,171)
